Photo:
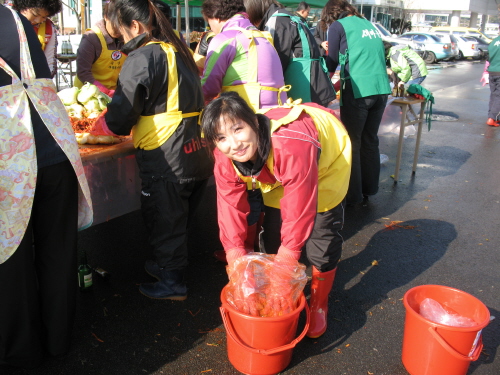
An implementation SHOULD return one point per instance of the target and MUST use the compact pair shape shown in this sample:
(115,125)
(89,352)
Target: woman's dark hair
(303,6)
(336,9)
(154,20)
(51,6)
(231,107)
(256,9)
(222,9)
(165,8)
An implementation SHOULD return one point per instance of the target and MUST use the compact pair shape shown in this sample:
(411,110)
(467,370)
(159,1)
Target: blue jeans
(416,81)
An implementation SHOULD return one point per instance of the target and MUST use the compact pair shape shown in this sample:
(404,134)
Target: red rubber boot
(321,285)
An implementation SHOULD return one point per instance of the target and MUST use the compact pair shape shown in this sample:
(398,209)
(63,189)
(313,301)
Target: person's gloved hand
(485,78)
(104,89)
(279,294)
(99,127)
(233,254)
(204,42)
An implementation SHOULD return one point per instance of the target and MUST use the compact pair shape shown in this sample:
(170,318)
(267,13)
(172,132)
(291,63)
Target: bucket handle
(473,357)
(282,348)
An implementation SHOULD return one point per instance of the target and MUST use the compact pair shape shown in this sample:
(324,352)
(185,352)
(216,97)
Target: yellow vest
(41,35)
(334,165)
(107,66)
(151,132)
(250,91)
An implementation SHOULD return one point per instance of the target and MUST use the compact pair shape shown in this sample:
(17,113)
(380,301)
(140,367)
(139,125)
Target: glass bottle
(84,274)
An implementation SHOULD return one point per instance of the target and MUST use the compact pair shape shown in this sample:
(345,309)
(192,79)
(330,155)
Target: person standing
(491,75)
(99,59)
(303,10)
(301,62)
(45,198)
(300,155)
(159,96)
(38,13)
(240,57)
(355,44)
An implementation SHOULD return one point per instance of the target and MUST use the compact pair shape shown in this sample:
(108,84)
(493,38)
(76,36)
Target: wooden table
(406,108)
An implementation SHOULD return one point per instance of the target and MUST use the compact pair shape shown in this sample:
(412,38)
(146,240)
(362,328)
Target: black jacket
(142,91)
(320,37)
(48,151)
(288,45)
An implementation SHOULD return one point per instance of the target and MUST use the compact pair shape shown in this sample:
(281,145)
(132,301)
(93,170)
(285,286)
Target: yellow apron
(18,165)
(107,66)
(250,91)
(334,166)
(41,35)
(151,132)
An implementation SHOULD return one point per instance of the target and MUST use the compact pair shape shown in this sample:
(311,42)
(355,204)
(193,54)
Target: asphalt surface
(437,227)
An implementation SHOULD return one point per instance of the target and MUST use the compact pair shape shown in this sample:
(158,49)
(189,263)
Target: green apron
(366,57)
(298,72)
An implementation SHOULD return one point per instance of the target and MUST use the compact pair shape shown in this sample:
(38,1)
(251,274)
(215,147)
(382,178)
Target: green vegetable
(87,92)
(68,96)
(103,99)
(76,110)
(92,105)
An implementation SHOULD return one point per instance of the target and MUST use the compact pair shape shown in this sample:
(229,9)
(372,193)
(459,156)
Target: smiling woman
(300,156)
(37,12)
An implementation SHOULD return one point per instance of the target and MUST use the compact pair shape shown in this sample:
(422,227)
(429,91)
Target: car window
(469,39)
(407,37)
(434,38)
(382,30)
(482,41)
(419,38)
(459,32)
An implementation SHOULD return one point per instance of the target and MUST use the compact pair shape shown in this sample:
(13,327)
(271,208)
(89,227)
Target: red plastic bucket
(435,349)
(261,346)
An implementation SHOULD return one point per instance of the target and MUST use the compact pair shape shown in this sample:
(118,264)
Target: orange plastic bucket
(435,349)
(261,346)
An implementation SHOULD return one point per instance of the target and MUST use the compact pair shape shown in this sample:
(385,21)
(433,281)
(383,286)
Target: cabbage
(76,110)
(87,92)
(104,100)
(68,96)
(92,105)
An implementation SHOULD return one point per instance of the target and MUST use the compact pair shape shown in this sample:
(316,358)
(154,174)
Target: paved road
(448,235)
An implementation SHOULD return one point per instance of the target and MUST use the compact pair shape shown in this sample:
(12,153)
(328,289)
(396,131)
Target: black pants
(362,118)
(494,106)
(38,285)
(166,208)
(324,246)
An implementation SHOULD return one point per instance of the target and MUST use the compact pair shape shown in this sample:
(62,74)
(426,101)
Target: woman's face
(215,24)
(35,15)
(237,140)
(113,33)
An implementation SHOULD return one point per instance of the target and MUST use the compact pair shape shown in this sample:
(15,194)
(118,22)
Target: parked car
(482,45)
(468,47)
(435,49)
(452,39)
(465,31)
(385,34)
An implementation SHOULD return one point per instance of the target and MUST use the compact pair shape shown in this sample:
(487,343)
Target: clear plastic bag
(433,311)
(250,283)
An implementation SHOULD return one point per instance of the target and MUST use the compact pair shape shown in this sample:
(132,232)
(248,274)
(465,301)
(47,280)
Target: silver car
(469,47)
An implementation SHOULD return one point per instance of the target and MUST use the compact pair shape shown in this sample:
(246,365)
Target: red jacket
(295,148)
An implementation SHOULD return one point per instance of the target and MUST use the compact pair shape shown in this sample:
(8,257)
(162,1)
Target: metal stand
(65,69)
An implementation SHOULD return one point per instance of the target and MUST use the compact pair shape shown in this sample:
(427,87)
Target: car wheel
(460,55)
(430,58)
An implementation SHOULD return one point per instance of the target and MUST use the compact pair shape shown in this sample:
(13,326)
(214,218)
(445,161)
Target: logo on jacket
(194,145)
(116,55)
(370,34)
